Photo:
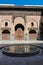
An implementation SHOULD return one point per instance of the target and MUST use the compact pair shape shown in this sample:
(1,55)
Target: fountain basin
(20,50)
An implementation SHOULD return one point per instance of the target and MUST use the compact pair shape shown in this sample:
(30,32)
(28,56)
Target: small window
(32,24)
(6,23)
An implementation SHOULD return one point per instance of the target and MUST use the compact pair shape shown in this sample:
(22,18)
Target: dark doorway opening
(41,30)
(5,32)
(32,31)
(19,26)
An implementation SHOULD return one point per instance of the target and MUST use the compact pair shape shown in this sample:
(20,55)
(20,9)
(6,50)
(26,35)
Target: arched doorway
(32,34)
(5,34)
(19,32)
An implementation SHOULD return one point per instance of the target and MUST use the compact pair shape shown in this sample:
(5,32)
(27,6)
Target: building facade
(21,23)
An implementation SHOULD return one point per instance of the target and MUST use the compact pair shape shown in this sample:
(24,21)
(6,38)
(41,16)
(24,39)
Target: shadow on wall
(41,31)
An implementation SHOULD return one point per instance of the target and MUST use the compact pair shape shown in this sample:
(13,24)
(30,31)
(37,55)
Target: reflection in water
(20,49)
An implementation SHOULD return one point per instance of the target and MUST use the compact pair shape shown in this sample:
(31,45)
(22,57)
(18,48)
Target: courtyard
(33,60)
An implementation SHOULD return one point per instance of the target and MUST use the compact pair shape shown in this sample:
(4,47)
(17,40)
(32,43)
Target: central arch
(19,32)
(5,34)
(19,26)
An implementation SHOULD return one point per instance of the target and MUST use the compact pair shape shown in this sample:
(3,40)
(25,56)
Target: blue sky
(22,2)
